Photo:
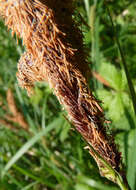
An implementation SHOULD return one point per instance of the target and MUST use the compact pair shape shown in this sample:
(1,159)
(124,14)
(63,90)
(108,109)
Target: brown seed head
(55,52)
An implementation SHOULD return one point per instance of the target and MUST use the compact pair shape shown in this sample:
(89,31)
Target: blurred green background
(46,153)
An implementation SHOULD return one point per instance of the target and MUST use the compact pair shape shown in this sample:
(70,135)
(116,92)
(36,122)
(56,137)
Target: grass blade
(28,145)
(95,184)
(86,2)
(30,185)
(131,171)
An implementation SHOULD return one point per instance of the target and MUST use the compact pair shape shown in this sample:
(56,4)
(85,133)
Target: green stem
(109,172)
(122,185)
(130,84)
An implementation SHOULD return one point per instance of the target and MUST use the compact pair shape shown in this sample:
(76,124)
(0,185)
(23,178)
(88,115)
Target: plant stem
(122,185)
(110,173)
(130,84)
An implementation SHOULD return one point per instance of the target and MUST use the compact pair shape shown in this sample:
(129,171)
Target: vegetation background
(38,148)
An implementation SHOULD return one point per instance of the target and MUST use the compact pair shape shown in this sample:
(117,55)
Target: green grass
(52,155)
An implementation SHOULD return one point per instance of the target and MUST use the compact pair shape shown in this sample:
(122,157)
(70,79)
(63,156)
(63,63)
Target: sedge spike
(55,53)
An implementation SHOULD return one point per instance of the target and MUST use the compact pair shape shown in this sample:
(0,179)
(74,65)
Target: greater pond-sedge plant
(55,53)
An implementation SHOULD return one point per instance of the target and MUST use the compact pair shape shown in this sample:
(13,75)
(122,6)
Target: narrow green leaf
(86,2)
(28,145)
(131,174)
(30,185)
(95,184)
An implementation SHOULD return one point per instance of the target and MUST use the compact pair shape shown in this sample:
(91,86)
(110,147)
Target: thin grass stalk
(130,83)
(87,7)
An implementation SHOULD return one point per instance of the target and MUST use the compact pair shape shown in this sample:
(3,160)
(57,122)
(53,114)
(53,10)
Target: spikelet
(55,53)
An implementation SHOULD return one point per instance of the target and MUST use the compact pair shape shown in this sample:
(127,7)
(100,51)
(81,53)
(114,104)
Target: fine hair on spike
(55,53)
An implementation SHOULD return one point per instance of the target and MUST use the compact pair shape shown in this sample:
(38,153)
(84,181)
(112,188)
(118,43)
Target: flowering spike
(55,53)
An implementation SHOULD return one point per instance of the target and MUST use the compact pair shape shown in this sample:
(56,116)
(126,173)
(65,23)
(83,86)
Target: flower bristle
(55,53)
